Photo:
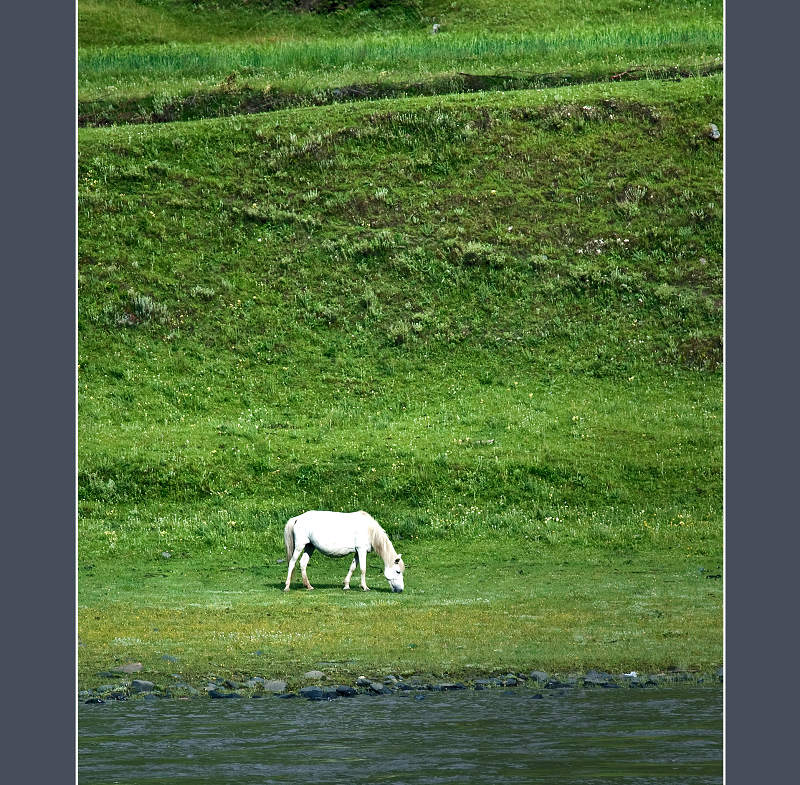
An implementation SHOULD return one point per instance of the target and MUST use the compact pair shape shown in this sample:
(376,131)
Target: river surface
(576,736)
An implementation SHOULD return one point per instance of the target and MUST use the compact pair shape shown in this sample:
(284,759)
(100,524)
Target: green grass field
(492,319)
(183,60)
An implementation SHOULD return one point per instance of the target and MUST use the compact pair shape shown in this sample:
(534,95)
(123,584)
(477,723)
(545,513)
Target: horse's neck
(381,543)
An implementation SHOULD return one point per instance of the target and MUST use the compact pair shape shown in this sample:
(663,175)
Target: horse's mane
(381,543)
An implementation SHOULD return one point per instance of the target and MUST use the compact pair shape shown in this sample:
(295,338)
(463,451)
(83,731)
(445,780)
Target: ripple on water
(671,735)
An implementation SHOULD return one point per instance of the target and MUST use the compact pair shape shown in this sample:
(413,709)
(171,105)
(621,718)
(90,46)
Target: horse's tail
(288,537)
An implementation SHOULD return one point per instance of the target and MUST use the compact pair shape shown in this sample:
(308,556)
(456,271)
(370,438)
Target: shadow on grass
(231,99)
(332,586)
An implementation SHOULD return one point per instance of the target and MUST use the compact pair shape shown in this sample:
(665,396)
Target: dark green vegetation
(186,61)
(120,23)
(492,320)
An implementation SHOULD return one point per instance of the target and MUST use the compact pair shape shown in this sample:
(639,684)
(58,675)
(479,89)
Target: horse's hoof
(365,588)
(310,588)
(346,588)
(286,588)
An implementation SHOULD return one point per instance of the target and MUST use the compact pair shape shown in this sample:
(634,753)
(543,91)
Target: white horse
(339,534)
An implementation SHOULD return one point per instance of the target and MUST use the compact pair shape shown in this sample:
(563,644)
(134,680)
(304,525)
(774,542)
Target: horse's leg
(350,574)
(292,562)
(303,563)
(362,562)
(298,549)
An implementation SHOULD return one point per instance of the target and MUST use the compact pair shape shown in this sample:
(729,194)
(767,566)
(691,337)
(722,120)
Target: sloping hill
(279,267)
(493,319)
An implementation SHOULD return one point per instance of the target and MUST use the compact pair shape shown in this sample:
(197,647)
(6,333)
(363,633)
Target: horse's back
(334,533)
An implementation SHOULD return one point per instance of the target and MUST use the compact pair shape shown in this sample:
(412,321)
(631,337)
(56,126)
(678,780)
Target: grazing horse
(340,534)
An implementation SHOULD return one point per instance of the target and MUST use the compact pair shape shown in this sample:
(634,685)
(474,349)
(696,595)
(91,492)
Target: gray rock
(510,681)
(539,676)
(378,688)
(274,685)
(312,693)
(713,132)
(596,679)
(345,691)
(169,658)
(105,688)
(232,685)
(221,694)
(182,687)
(129,667)
(390,679)
(140,685)
(95,700)
(450,685)
(166,555)
(362,681)
(314,675)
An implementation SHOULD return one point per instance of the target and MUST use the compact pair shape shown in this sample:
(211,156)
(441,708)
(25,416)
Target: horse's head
(394,573)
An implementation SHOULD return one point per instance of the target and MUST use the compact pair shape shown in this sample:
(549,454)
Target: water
(572,737)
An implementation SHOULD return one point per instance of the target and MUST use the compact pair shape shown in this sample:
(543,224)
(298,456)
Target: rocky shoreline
(316,687)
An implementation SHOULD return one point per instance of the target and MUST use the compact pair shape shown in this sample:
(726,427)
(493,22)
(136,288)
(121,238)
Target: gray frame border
(39,393)
(39,338)
(761,396)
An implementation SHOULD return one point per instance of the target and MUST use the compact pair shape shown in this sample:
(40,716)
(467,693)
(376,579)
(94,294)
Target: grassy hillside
(493,320)
(115,23)
(187,60)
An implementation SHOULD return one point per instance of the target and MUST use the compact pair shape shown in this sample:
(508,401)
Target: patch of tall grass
(375,58)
